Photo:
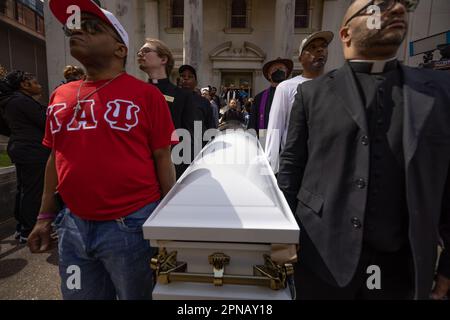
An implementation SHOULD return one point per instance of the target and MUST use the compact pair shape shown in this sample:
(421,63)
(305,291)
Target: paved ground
(24,275)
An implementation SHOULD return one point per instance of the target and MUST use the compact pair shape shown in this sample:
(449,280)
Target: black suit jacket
(181,106)
(204,111)
(183,113)
(325,159)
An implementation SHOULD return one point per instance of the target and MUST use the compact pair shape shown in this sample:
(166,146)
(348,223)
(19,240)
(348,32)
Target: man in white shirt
(313,55)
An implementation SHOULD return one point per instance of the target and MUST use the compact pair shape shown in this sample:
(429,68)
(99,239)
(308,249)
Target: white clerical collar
(378,66)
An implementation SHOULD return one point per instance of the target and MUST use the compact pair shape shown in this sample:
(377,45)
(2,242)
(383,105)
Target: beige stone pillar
(151,19)
(58,49)
(284,29)
(127,12)
(333,13)
(193,34)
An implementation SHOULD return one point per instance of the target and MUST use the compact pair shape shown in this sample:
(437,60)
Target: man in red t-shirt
(111,137)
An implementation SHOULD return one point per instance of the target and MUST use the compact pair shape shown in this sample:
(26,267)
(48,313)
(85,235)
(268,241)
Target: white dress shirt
(280,112)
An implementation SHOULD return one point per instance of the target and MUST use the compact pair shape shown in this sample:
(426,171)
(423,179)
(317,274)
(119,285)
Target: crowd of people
(361,154)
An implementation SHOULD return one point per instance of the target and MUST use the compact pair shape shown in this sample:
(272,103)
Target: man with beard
(366,169)
(313,55)
(275,71)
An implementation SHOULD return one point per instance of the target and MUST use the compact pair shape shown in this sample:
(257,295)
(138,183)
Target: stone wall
(7,193)
(7,187)
(150,18)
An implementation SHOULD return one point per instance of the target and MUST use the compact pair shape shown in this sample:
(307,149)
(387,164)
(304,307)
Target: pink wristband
(46,216)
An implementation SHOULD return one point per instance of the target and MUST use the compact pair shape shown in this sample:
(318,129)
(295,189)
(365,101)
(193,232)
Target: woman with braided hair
(25,118)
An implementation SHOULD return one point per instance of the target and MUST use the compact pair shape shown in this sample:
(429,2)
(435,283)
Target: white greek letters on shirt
(122,114)
(83,118)
(53,114)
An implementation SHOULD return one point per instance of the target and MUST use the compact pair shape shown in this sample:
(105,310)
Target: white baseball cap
(326,35)
(59,10)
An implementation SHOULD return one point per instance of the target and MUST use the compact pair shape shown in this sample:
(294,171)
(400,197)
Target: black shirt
(386,220)
(204,111)
(26,118)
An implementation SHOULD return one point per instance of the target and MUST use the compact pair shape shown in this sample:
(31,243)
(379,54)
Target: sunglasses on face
(90,26)
(385,5)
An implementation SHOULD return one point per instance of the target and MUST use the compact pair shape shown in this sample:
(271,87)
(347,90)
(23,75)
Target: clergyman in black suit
(157,61)
(366,169)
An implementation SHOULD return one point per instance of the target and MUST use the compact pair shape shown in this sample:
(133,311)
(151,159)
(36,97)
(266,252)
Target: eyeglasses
(386,5)
(146,50)
(91,26)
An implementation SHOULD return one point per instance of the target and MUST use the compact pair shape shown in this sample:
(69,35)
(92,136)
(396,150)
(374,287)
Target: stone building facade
(22,39)
(229,41)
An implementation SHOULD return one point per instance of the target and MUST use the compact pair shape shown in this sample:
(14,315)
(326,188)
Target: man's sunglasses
(385,5)
(91,26)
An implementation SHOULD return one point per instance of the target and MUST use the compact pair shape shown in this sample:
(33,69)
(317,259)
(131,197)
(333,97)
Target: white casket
(225,230)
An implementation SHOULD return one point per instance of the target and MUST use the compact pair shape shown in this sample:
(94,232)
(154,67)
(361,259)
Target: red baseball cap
(59,10)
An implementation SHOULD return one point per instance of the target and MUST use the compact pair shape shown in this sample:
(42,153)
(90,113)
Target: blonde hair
(163,51)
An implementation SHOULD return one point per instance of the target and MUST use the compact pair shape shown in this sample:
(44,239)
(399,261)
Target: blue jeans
(104,260)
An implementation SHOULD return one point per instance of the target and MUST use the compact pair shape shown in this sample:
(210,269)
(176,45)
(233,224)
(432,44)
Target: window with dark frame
(238,14)
(301,14)
(40,26)
(3,6)
(26,13)
(177,13)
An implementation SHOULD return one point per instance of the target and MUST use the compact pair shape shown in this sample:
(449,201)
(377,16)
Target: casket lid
(229,194)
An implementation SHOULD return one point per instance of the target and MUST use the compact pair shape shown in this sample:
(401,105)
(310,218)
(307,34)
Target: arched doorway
(239,67)
(238,79)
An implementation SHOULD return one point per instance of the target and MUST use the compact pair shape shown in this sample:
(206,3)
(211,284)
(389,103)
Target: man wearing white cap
(110,137)
(313,55)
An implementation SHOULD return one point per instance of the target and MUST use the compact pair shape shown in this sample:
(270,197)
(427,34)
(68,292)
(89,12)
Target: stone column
(284,29)
(128,13)
(151,19)
(333,13)
(193,34)
(58,49)
(260,83)
(216,81)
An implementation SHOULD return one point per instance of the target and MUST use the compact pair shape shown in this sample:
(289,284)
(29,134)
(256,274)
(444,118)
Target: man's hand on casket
(40,239)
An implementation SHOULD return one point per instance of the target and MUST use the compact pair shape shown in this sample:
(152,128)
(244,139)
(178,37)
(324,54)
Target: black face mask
(278,76)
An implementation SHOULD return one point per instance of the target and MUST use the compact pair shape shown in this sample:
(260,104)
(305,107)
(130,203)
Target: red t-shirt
(103,152)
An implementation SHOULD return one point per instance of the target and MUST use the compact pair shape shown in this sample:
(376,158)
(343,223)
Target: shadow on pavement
(12,250)
(53,258)
(10,267)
